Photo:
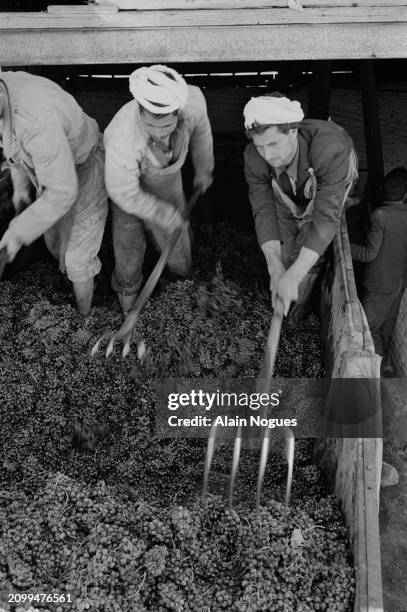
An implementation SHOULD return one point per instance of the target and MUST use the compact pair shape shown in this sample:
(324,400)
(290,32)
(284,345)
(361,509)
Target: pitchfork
(126,330)
(262,386)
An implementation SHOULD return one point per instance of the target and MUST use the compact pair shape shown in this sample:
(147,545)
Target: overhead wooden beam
(163,5)
(203,36)
(203,18)
(373,136)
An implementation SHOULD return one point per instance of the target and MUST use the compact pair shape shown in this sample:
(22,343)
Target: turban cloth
(159,89)
(266,110)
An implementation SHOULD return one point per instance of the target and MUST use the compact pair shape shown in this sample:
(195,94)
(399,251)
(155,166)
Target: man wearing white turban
(146,146)
(299,174)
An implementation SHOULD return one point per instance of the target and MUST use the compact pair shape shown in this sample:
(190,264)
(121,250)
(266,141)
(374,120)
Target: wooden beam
(373,136)
(225,44)
(164,5)
(203,36)
(202,18)
(318,107)
(80,9)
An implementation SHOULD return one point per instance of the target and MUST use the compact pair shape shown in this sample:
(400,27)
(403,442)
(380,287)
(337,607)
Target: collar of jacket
(304,162)
(292,169)
(298,169)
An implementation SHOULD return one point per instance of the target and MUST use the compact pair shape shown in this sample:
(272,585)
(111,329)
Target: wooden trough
(354,464)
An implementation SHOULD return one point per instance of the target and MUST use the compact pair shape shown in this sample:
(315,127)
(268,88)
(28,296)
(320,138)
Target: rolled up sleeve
(55,172)
(370,249)
(261,197)
(331,178)
(122,176)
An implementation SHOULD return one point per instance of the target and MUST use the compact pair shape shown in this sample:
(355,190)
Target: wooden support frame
(372,132)
(318,107)
(353,465)
(319,32)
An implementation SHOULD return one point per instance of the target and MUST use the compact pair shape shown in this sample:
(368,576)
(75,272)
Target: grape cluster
(100,546)
(94,503)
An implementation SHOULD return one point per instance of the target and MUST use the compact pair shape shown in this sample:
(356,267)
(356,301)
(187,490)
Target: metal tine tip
(95,348)
(210,449)
(126,349)
(265,447)
(235,464)
(110,346)
(290,447)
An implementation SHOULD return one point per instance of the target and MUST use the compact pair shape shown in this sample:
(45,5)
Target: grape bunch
(95,503)
(98,545)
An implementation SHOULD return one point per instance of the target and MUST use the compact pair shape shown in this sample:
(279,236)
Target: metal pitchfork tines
(262,386)
(126,330)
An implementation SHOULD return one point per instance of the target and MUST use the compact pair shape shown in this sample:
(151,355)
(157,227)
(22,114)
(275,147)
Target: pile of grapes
(112,552)
(94,503)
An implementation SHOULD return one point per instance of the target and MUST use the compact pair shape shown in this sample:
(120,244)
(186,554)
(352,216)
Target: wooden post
(318,107)
(372,131)
(288,73)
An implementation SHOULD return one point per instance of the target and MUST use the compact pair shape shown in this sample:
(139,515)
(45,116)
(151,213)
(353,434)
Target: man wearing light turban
(300,172)
(146,146)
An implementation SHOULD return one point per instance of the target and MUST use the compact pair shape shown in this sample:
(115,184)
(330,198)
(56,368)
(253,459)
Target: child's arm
(369,250)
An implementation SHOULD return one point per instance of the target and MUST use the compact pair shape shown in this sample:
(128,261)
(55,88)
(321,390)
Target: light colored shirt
(126,144)
(49,135)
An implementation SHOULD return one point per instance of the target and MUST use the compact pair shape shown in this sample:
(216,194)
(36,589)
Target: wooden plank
(367,539)
(197,44)
(204,18)
(318,107)
(81,9)
(372,460)
(357,461)
(164,5)
(372,133)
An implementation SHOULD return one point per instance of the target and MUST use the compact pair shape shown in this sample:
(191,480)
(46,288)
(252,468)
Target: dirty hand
(287,290)
(276,273)
(203,181)
(21,199)
(11,243)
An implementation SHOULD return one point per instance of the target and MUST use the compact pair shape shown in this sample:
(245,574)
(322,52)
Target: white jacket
(48,136)
(126,141)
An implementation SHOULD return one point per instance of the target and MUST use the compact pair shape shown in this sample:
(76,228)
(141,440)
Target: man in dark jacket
(299,174)
(385,251)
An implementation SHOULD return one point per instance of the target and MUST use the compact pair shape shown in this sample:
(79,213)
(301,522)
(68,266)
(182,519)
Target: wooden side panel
(356,462)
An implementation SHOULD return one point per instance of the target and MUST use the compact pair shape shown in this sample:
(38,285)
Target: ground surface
(94,504)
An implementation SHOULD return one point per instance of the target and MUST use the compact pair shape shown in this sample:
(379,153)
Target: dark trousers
(129,244)
(381,311)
